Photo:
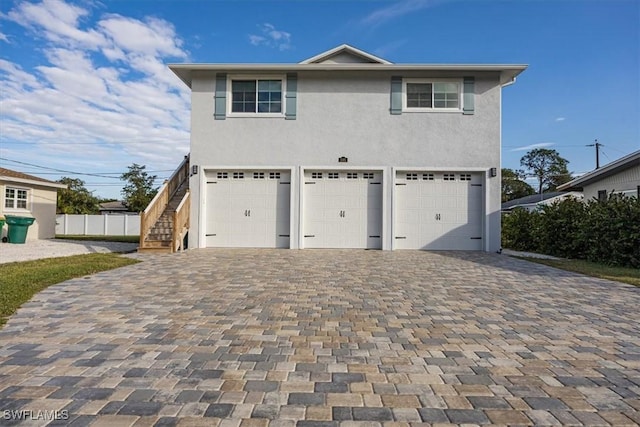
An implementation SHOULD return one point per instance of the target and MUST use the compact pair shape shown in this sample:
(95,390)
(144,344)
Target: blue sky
(84,85)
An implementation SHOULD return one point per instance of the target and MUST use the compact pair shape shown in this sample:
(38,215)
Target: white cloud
(396,10)
(4,37)
(271,37)
(152,37)
(534,146)
(102,94)
(560,119)
(57,21)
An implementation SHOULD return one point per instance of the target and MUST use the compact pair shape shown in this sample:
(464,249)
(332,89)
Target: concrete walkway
(322,337)
(38,249)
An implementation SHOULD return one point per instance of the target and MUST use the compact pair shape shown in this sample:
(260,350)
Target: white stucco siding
(349,115)
(340,116)
(627,180)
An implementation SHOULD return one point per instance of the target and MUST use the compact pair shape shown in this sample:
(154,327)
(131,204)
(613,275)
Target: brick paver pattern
(326,337)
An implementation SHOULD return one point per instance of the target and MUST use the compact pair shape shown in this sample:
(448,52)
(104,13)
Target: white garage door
(342,209)
(439,211)
(248,209)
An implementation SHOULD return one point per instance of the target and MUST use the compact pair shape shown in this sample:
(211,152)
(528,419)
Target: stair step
(157,243)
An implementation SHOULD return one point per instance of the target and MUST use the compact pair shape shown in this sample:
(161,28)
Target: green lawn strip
(593,269)
(20,281)
(122,239)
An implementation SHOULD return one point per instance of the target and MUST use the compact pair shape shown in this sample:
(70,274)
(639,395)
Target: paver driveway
(314,338)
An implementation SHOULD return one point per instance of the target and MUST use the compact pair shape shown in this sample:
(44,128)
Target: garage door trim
(203,191)
(423,169)
(384,170)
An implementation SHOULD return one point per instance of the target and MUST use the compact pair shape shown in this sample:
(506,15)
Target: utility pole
(597,145)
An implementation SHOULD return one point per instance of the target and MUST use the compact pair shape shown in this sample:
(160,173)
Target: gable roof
(359,56)
(626,162)
(345,58)
(23,178)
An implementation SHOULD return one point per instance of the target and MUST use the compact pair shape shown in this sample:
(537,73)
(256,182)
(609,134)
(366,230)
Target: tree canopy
(139,189)
(513,185)
(76,199)
(547,167)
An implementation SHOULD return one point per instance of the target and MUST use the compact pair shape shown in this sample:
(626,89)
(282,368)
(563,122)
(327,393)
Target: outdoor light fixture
(194,170)
(493,172)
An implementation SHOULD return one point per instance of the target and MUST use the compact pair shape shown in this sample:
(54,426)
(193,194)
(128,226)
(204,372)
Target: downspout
(513,80)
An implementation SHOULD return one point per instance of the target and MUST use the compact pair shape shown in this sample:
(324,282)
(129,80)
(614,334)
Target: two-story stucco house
(346,150)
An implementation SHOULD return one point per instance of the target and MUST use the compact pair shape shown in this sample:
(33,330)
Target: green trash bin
(18,227)
(1,227)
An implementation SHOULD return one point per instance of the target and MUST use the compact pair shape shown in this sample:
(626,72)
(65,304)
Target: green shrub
(611,231)
(559,226)
(519,229)
(607,231)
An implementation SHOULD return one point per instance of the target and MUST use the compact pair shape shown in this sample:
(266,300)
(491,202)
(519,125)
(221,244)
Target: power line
(103,175)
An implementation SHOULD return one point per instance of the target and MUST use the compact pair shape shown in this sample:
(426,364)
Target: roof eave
(612,168)
(184,71)
(32,182)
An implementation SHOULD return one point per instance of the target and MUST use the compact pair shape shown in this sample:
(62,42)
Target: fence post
(106,224)
(65,224)
(86,224)
(126,222)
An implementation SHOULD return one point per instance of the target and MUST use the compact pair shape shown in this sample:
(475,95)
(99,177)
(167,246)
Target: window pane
(243,86)
(10,193)
(276,107)
(419,95)
(243,96)
(22,204)
(22,194)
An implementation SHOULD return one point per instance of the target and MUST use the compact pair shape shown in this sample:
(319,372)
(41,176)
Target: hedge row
(601,231)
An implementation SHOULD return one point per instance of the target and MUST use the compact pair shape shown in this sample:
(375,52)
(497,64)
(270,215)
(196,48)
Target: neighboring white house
(30,196)
(346,150)
(536,201)
(620,176)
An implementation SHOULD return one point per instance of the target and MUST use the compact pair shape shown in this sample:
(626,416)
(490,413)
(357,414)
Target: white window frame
(407,109)
(231,78)
(15,199)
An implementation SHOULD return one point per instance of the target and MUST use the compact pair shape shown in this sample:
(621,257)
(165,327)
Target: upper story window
(257,96)
(15,198)
(425,95)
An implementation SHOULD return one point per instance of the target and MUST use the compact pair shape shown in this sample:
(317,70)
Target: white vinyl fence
(98,225)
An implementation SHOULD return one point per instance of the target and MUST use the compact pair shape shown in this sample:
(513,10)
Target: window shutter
(468,91)
(220,111)
(396,95)
(291,97)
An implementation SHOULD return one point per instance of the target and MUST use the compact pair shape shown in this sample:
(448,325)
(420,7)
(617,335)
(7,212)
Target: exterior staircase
(164,224)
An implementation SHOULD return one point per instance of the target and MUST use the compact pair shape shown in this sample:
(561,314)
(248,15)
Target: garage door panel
(247,209)
(341,210)
(449,214)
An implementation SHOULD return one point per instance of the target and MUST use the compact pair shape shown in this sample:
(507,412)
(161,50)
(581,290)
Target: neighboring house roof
(612,168)
(23,178)
(321,62)
(116,205)
(534,199)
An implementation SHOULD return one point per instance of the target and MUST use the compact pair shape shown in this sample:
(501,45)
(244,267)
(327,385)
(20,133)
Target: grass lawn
(619,274)
(20,281)
(123,239)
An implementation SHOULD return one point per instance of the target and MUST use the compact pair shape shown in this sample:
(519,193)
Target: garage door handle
(437,217)
(247,212)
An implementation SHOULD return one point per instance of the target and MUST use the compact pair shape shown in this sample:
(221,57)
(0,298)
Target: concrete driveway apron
(321,338)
